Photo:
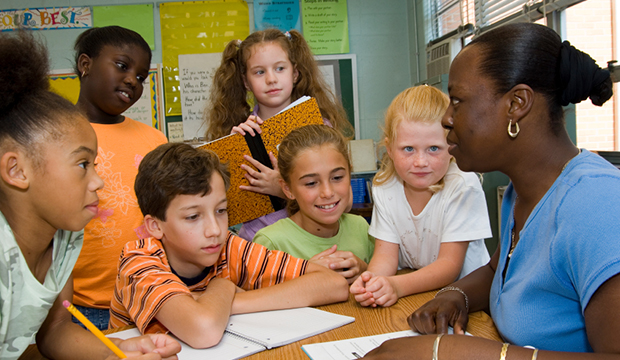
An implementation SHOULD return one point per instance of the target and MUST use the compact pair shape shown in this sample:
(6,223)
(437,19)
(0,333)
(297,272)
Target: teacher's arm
(602,326)
(603,318)
(450,307)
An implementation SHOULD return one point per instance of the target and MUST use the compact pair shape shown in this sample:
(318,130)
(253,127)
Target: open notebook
(247,334)
(351,349)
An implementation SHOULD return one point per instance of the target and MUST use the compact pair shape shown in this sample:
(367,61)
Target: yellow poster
(196,27)
(66,85)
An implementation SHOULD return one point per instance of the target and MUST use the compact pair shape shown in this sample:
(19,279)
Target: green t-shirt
(24,301)
(289,237)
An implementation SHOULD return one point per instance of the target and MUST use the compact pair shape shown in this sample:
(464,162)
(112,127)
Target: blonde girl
(316,178)
(48,192)
(277,68)
(428,215)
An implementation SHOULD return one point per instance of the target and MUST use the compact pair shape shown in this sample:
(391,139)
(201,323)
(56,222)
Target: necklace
(513,243)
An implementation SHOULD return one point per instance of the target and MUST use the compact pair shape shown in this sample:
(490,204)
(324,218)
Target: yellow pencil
(89,325)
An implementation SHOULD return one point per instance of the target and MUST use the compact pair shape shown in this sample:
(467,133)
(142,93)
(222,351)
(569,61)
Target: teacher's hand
(413,347)
(434,317)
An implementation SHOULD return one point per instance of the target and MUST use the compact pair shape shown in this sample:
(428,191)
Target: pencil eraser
(66,304)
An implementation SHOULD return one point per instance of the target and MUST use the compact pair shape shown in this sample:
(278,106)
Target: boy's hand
(262,179)
(358,289)
(251,126)
(383,291)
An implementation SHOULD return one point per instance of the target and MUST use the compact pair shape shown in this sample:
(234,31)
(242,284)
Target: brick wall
(589,29)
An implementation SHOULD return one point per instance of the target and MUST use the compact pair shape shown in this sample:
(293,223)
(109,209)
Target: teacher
(553,282)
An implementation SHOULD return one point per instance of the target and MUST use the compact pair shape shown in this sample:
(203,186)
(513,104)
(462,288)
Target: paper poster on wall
(138,18)
(331,74)
(66,84)
(196,27)
(175,131)
(65,17)
(326,26)
(146,109)
(196,76)
(279,14)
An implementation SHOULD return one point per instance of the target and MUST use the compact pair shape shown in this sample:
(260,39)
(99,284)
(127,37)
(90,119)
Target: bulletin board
(196,27)
(340,72)
(146,110)
(138,18)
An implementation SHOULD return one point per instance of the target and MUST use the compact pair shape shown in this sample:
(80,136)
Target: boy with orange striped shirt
(192,274)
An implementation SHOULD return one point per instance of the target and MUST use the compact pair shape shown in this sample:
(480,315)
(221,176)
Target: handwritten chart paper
(142,110)
(175,131)
(326,26)
(196,76)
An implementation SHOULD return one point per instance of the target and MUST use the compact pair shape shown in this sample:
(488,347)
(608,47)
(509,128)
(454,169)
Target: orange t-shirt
(145,280)
(121,147)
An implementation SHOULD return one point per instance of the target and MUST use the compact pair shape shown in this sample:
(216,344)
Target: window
(592,26)
(444,16)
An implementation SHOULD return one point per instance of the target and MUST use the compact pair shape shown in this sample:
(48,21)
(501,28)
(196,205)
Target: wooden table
(373,321)
(368,321)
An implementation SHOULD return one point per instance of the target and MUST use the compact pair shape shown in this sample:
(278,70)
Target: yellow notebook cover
(247,205)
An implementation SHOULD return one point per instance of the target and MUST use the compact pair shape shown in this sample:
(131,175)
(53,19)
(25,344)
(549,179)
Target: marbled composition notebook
(247,205)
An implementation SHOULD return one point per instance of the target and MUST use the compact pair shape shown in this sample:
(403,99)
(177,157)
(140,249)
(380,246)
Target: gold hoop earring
(510,133)
(83,73)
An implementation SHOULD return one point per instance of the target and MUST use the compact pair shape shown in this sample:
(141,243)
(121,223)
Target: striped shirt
(145,280)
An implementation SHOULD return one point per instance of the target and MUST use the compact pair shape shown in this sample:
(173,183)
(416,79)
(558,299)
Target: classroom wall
(417,40)
(386,36)
(378,35)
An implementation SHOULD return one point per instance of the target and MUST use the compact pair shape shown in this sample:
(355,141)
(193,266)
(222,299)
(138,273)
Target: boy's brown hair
(175,169)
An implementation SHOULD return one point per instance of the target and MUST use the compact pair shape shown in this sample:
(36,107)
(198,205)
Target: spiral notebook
(247,334)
